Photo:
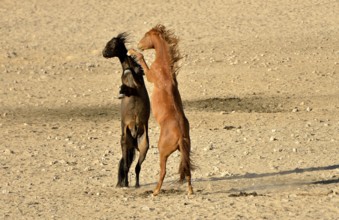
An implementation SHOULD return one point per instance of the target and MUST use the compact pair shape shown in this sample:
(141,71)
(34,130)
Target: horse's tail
(186,165)
(132,133)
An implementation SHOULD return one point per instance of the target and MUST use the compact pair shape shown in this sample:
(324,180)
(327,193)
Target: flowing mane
(122,37)
(172,42)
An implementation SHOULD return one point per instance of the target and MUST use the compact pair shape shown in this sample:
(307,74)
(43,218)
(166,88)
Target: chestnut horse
(135,109)
(166,102)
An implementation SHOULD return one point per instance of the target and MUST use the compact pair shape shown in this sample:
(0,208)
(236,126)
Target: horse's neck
(161,50)
(125,62)
(163,58)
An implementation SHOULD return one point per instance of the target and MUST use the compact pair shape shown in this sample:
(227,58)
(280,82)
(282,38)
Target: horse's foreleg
(143,145)
(147,71)
(127,91)
(142,62)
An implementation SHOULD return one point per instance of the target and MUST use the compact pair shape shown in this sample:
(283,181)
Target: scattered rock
(245,194)
(295,109)
(230,127)
(210,147)
(146,208)
(11,54)
(273,138)
(8,151)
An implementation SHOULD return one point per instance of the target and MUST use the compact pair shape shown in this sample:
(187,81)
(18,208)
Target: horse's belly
(162,107)
(135,107)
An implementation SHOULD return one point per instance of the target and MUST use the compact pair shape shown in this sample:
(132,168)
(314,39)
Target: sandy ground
(260,86)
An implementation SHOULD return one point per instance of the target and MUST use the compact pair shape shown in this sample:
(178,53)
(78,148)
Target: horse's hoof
(121,185)
(130,52)
(121,96)
(190,191)
(155,193)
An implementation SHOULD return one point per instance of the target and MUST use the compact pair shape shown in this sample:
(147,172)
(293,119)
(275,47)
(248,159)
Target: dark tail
(186,165)
(132,143)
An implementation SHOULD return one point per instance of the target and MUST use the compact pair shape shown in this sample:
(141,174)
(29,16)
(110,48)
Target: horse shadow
(111,111)
(250,104)
(64,113)
(280,173)
(241,191)
(251,190)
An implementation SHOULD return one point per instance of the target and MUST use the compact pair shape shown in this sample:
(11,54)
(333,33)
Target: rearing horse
(135,109)
(166,102)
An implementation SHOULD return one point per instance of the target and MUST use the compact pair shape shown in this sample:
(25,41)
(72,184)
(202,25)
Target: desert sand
(260,86)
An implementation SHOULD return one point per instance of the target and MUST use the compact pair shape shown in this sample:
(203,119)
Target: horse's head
(115,47)
(146,42)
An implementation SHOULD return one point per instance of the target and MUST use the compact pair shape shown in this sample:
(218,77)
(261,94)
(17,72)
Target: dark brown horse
(135,110)
(167,106)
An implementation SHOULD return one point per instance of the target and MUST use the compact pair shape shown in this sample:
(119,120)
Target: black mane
(123,37)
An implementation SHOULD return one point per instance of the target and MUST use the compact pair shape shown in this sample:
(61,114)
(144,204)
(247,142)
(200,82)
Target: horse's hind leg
(128,152)
(143,145)
(121,173)
(167,145)
(189,185)
(163,161)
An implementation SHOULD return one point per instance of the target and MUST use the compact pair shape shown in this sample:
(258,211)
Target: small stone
(272,138)
(11,54)
(8,151)
(308,109)
(216,169)
(53,162)
(146,208)
(5,191)
(62,161)
(88,169)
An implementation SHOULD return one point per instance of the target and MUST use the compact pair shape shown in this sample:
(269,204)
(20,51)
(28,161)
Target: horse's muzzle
(140,47)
